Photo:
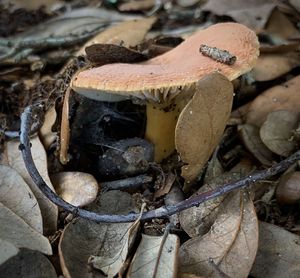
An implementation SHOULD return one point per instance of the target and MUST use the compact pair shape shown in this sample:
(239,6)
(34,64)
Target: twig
(162,212)
(128,183)
(161,247)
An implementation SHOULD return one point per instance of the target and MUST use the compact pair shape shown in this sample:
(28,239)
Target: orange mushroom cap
(160,79)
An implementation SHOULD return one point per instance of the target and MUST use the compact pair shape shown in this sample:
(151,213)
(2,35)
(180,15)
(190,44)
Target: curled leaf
(252,141)
(277,132)
(202,122)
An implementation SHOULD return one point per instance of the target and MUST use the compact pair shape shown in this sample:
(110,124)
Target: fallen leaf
(82,239)
(278,253)
(189,3)
(76,188)
(76,21)
(16,195)
(239,260)
(277,132)
(271,66)
(231,243)
(7,250)
(280,25)
(288,189)
(252,141)
(165,186)
(65,129)
(48,209)
(296,4)
(46,134)
(35,4)
(201,123)
(127,33)
(282,97)
(254,13)
(214,169)
(105,53)
(197,221)
(145,258)
(189,275)
(16,231)
(136,5)
(28,263)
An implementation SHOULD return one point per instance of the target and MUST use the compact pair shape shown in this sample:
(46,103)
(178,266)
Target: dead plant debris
(165,161)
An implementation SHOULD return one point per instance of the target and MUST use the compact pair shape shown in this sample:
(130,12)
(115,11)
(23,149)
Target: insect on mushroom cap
(158,79)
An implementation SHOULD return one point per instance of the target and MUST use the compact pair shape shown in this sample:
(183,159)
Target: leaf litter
(224,229)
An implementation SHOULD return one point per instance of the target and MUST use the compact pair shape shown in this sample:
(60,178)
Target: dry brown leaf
(288,189)
(189,275)
(29,264)
(166,185)
(128,33)
(136,5)
(7,250)
(195,253)
(271,66)
(46,134)
(238,115)
(278,253)
(75,22)
(283,97)
(201,123)
(251,139)
(34,4)
(239,260)
(296,4)
(189,3)
(252,13)
(214,169)
(111,266)
(280,25)
(144,260)
(76,188)
(82,239)
(48,209)
(197,221)
(277,132)
(16,195)
(16,231)
(231,243)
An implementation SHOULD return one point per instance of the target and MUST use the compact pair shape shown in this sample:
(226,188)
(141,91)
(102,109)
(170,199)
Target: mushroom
(167,82)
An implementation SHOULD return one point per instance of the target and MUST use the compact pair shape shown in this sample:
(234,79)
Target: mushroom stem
(161,123)
(160,130)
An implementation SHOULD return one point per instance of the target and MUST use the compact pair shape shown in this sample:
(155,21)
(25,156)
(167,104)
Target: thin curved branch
(164,211)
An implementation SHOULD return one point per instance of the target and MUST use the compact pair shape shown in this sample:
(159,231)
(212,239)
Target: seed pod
(222,56)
